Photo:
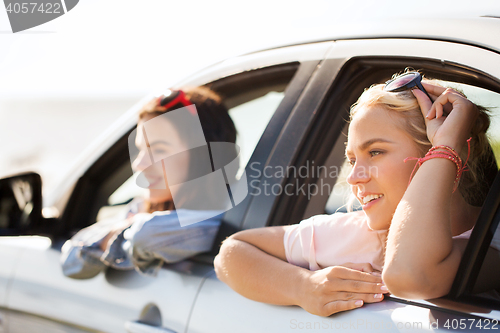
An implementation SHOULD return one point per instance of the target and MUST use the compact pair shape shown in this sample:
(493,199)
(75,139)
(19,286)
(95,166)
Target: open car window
(483,278)
(251,108)
(326,144)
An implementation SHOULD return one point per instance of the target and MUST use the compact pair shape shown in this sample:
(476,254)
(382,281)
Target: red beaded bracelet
(448,153)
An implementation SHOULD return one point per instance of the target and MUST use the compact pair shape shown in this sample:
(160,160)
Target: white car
(289,105)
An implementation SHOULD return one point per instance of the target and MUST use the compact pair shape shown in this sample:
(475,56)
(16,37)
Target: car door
(313,137)
(260,91)
(10,254)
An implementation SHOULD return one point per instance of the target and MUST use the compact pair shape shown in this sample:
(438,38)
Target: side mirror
(20,204)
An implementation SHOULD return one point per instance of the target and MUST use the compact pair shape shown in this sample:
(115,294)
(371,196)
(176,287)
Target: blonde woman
(332,263)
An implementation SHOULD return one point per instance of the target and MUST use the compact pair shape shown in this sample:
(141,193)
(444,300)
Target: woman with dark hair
(181,214)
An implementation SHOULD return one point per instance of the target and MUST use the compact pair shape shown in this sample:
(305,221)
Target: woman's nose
(359,174)
(141,162)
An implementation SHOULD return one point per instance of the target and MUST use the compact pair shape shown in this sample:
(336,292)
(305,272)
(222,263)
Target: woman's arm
(253,263)
(80,260)
(159,238)
(421,256)
(116,230)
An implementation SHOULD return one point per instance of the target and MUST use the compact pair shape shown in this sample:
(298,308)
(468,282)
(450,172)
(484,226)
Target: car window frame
(476,249)
(287,211)
(82,205)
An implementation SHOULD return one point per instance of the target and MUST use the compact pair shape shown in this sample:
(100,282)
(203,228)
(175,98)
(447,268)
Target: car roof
(478,31)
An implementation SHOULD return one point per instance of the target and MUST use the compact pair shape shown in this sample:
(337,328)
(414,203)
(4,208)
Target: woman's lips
(371,203)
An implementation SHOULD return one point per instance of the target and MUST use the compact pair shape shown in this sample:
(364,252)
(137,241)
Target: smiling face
(376,148)
(163,141)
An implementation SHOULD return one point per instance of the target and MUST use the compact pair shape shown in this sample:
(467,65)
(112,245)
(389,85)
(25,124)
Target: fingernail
(358,303)
(377,296)
(383,288)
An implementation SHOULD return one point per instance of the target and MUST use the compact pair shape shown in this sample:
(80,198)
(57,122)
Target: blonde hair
(473,185)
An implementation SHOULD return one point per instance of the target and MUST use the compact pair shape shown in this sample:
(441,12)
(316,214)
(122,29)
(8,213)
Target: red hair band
(180,98)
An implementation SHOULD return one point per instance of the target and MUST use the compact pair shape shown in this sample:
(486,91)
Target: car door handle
(137,327)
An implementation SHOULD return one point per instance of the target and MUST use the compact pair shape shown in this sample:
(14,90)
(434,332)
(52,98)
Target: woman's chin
(157,196)
(377,224)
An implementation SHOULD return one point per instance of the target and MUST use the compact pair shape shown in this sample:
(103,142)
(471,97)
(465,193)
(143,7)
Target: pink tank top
(331,240)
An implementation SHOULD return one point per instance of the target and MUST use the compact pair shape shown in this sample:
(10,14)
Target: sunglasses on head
(406,81)
(174,97)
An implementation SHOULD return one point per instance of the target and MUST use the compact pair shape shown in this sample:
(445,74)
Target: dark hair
(216,124)
(215,121)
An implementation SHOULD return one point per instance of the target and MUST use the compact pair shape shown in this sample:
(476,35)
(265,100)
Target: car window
(333,183)
(251,119)
(340,197)
(251,110)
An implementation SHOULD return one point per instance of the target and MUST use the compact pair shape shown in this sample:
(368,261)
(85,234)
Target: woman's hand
(340,288)
(117,229)
(449,119)
(253,263)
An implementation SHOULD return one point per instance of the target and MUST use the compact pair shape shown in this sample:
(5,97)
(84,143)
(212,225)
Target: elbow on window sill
(411,284)
(227,249)
(217,268)
(224,251)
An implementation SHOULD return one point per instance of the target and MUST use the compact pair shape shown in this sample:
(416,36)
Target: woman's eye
(160,152)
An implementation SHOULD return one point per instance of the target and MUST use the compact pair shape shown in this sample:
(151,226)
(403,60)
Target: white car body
(187,297)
